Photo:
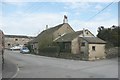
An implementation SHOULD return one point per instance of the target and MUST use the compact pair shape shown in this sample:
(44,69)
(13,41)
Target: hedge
(51,51)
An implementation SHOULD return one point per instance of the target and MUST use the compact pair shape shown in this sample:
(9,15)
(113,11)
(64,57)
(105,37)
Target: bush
(51,51)
(109,45)
(112,52)
(69,56)
(54,51)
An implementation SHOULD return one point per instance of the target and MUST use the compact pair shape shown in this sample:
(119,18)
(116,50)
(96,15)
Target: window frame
(93,48)
(83,44)
(16,39)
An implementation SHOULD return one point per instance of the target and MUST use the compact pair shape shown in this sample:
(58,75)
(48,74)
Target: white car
(15,48)
(24,50)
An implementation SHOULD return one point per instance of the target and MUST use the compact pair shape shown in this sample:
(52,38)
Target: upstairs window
(17,44)
(67,46)
(9,44)
(83,44)
(87,33)
(16,39)
(93,48)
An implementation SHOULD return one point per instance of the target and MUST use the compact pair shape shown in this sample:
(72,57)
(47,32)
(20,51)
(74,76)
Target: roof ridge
(55,26)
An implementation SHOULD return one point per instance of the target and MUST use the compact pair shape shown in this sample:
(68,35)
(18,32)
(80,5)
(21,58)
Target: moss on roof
(47,32)
(18,36)
(93,40)
(69,37)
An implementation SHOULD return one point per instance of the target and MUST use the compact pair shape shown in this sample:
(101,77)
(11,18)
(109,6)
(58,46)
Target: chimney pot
(65,20)
(46,27)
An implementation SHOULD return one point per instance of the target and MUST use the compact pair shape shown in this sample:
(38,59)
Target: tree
(110,35)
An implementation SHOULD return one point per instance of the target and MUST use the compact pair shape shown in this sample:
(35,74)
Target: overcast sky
(31,17)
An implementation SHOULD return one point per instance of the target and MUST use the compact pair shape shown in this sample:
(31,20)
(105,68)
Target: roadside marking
(16,72)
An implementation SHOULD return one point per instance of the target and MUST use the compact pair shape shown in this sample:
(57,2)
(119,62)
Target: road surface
(33,66)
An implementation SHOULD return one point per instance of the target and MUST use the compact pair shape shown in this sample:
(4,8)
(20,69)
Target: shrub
(51,51)
(69,56)
(112,52)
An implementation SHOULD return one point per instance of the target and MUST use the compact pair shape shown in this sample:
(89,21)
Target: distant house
(46,37)
(16,40)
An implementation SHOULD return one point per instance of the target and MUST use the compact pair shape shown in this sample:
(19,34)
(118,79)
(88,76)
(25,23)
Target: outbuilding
(92,48)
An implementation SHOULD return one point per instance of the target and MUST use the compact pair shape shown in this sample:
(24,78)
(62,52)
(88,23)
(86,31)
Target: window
(93,48)
(82,52)
(8,44)
(17,44)
(83,44)
(16,39)
(67,46)
(87,33)
(59,35)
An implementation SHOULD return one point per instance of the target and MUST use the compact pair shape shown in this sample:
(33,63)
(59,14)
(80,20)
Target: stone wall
(75,47)
(13,41)
(98,53)
(63,30)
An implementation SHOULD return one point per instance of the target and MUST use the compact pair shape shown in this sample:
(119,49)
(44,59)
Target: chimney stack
(46,27)
(83,32)
(65,20)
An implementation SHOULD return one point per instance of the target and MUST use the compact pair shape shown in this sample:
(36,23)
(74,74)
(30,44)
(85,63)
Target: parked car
(24,50)
(15,48)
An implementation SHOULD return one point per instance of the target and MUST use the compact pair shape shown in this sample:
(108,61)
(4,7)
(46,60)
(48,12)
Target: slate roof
(47,32)
(17,36)
(93,40)
(69,37)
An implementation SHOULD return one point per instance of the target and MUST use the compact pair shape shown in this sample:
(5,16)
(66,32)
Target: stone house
(16,40)
(83,43)
(46,37)
(70,42)
(80,42)
(92,48)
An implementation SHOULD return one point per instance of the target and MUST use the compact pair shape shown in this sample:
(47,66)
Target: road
(33,66)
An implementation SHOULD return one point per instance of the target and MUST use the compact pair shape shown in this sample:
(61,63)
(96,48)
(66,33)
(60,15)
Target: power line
(100,11)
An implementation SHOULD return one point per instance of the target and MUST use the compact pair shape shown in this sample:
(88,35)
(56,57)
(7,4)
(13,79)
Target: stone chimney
(65,20)
(83,32)
(46,27)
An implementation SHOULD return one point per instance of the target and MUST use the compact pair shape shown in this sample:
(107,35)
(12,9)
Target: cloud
(98,7)
(95,23)
(59,0)
(33,23)
(77,5)
(30,24)
(92,26)
(18,4)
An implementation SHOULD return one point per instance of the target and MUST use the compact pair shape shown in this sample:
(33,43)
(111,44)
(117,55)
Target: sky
(31,17)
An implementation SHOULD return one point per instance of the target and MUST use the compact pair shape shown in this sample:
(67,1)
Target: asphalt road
(33,66)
